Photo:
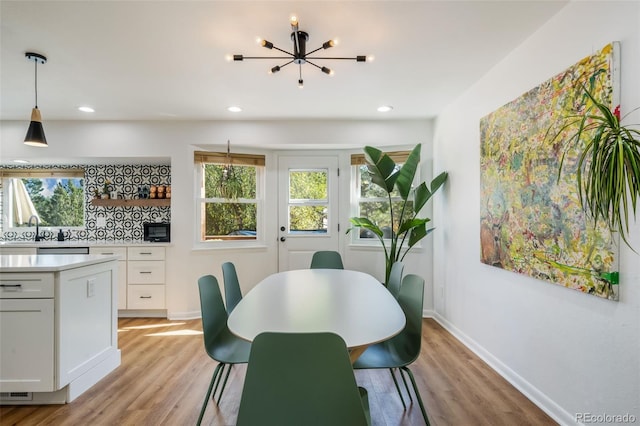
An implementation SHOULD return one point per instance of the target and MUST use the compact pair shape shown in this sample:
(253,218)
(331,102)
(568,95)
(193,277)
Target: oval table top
(352,304)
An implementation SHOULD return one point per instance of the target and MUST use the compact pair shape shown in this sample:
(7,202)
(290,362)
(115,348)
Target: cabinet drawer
(141,272)
(121,252)
(145,296)
(26,286)
(17,250)
(145,253)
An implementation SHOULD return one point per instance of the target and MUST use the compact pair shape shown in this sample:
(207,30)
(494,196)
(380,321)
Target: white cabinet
(26,327)
(58,327)
(141,277)
(121,252)
(146,278)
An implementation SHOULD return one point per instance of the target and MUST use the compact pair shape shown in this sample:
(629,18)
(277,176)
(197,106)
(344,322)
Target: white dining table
(352,304)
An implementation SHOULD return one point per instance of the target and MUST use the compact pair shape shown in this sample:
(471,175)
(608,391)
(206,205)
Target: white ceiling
(165,60)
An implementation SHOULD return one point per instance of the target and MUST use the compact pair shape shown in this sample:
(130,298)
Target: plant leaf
(382,168)
(407,172)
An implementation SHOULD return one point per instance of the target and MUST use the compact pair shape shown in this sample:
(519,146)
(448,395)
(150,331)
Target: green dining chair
(404,348)
(301,379)
(395,278)
(232,293)
(326,260)
(221,345)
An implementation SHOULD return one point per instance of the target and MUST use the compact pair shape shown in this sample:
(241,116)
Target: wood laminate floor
(165,373)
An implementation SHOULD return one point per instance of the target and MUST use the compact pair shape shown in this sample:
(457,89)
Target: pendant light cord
(36,83)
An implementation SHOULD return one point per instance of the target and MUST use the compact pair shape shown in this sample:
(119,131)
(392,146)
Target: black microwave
(157,232)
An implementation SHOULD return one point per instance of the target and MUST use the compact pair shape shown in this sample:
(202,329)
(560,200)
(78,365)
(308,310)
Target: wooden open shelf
(148,202)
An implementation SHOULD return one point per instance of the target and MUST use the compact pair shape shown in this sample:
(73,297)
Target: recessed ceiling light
(21,161)
(234,109)
(385,108)
(86,109)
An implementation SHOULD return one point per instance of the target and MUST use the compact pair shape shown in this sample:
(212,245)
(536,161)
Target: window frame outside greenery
(247,237)
(309,202)
(357,170)
(59,186)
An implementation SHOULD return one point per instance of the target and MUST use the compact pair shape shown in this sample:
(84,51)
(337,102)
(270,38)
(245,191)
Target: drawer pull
(145,297)
(107,254)
(144,252)
(145,272)
(10,285)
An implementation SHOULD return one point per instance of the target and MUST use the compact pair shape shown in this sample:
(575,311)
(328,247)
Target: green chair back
(214,316)
(395,278)
(406,345)
(232,293)
(301,379)
(326,260)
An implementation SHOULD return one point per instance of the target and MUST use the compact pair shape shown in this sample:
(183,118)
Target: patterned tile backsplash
(121,223)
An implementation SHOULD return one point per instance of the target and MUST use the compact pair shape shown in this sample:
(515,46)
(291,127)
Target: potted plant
(608,168)
(410,228)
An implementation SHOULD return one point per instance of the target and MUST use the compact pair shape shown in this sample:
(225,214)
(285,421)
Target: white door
(307,209)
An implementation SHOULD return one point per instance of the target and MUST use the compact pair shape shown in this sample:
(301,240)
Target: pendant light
(35,134)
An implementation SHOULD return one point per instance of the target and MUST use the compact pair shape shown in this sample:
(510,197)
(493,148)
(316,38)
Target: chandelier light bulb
(370,58)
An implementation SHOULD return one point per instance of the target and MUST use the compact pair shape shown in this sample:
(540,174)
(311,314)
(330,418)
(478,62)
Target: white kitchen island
(58,326)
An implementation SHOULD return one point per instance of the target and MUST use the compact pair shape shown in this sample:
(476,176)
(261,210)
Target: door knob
(283,239)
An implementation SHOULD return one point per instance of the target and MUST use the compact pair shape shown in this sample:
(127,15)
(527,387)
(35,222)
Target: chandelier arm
(265,57)
(331,57)
(283,51)
(311,63)
(290,62)
(314,51)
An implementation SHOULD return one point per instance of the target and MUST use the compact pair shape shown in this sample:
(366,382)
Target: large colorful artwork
(531,219)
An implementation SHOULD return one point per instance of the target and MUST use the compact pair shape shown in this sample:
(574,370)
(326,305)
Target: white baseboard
(183,315)
(545,403)
(79,385)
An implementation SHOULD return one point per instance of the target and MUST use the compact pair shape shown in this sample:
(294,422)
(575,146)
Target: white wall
(570,352)
(177,140)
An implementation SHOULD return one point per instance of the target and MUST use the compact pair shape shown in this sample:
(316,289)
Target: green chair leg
(224,384)
(206,398)
(415,390)
(406,386)
(393,376)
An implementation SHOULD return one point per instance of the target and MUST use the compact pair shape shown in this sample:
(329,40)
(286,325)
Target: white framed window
(53,197)
(229,198)
(371,201)
(308,201)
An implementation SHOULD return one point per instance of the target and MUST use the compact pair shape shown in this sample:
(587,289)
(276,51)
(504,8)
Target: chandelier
(300,56)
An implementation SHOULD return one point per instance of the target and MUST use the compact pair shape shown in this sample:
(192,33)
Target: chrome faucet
(37,226)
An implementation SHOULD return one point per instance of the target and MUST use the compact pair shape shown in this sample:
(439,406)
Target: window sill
(227,245)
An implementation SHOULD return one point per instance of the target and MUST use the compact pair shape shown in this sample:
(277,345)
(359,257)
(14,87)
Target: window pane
(307,185)
(230,219)
(57,201)
(308,219)
(370,190)
(231,182)
(378,213)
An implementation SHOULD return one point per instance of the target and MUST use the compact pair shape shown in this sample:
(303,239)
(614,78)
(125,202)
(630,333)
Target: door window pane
(308,185)
(308,219)
(308,201)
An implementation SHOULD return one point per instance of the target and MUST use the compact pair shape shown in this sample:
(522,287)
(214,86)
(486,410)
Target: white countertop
(49,262)
(80,243)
